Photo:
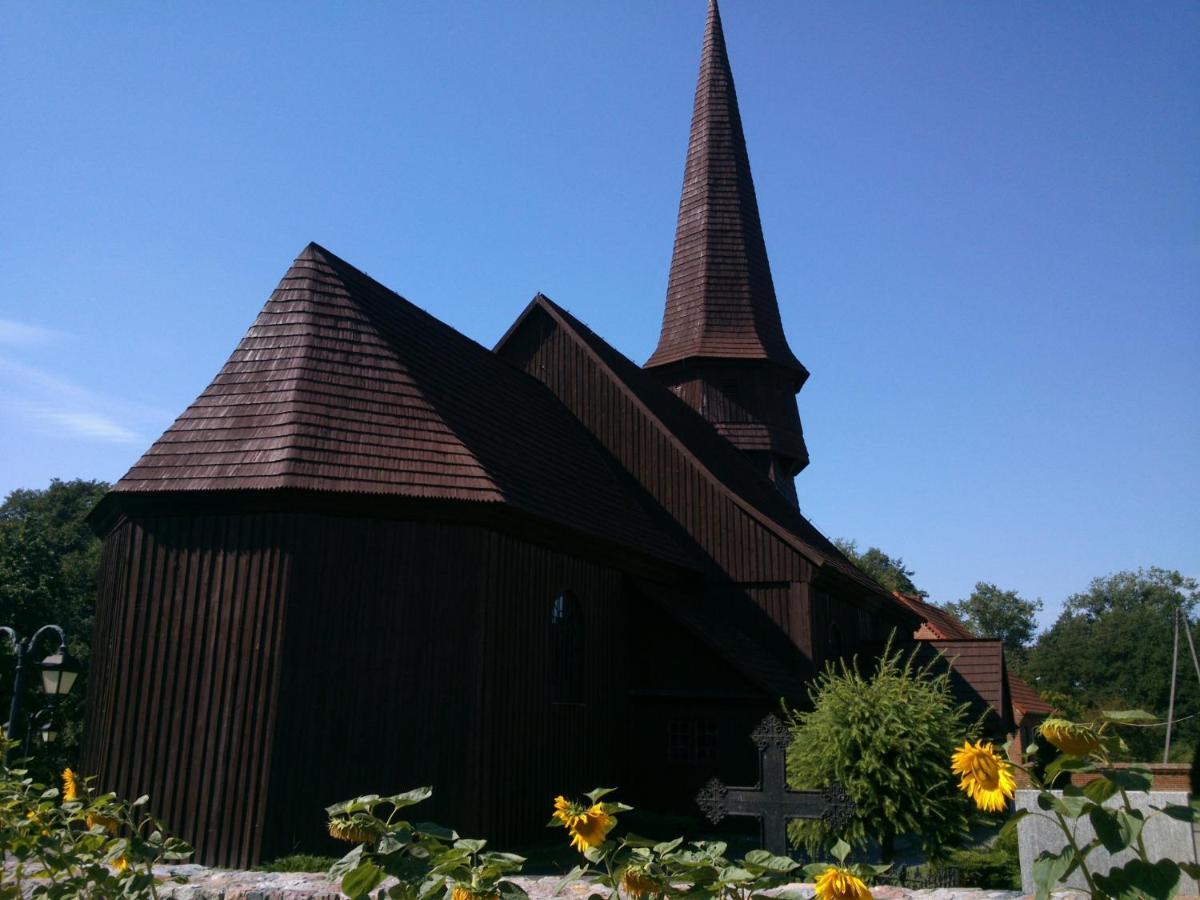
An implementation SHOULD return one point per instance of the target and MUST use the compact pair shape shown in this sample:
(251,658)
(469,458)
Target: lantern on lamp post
(59,671)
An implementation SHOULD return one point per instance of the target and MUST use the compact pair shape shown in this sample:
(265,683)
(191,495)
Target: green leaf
(1139,879)
(1129,779)
(1049,869)
(409,798)
(1192,869)
(1182,813)
(432,829)
(1124,716)
(840,850)
(574,875)
(1108,830)
(363,879)
(350,861)
(471,845)
(735,874)
(667,846)
(510,891)
(1100,790)
(596,793)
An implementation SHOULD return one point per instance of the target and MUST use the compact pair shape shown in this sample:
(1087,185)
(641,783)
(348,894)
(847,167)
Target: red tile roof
(341,385)
(720,296)
(946,627)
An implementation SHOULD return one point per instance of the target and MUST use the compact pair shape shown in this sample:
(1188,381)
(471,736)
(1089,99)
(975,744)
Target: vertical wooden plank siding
(175,657)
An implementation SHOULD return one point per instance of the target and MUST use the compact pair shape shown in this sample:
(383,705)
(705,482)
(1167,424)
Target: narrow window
(691,741)
(566,649)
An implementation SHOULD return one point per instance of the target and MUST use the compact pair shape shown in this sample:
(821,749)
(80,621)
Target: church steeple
(722,347)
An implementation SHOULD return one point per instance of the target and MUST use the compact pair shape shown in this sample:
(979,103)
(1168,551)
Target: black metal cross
(771,801)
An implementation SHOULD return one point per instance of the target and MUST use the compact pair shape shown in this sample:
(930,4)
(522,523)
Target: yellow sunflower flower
(1070,737)
(588,827)
(353,831)
(836,883)
(638,883)
(985,777)
(71,786)
(121,864)
(107,823)
(461,892)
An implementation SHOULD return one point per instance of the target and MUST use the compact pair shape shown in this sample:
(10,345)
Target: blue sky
(983,222)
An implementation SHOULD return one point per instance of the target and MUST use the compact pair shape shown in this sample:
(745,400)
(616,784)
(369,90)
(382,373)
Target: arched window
(566,649)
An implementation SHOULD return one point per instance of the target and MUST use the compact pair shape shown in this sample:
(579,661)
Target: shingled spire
(722,347)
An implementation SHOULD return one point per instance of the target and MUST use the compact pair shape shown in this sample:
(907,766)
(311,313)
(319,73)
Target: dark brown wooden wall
(742,548)
(250,670)
(184,664)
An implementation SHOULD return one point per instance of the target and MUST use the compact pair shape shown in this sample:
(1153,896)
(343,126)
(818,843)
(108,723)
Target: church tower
(722,349)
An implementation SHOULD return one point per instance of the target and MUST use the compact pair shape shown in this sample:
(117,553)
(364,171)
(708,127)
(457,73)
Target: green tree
(49,559)
(889,571)
(887,738)
(993,613)
(1111,648)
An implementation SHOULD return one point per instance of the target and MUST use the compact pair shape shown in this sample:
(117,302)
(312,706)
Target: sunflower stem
(1070,835)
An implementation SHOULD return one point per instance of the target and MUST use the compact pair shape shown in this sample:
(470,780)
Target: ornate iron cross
(771,801)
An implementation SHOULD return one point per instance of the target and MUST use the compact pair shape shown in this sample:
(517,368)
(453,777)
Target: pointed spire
(720,297)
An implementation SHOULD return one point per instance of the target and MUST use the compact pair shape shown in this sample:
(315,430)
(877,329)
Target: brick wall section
(1167,776)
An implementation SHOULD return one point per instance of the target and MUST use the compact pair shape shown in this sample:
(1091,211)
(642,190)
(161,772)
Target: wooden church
(374,554)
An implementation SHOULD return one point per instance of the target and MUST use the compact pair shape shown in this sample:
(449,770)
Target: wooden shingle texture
(720,295)
(343,386)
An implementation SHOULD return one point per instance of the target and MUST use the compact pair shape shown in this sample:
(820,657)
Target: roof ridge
(568,320)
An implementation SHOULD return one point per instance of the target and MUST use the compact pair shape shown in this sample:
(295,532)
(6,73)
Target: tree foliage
(889,571)
(1111,648)
(887,738)
(994,613)
(49,559)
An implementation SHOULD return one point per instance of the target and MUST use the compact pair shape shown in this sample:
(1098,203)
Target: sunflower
(462,892)
(986,778)
(638,882)
(353,830)
(588,826)
(1070,737)
(71,786)
(121,864)
(105,822)
(836,883)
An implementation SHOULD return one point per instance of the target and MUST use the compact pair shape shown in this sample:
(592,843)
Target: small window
(835,646)
(566,649)
(691,741)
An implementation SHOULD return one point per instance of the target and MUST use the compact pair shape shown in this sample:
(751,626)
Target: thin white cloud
(85,424)
(33,398)
(20,334)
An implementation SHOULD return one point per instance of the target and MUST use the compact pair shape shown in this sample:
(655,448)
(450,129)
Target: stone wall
(1165,838)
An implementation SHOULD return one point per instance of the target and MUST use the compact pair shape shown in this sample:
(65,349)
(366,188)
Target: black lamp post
(59,671)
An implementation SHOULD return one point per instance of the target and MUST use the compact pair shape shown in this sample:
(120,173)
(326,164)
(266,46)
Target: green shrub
(299,862)
(995,866)
(885,738)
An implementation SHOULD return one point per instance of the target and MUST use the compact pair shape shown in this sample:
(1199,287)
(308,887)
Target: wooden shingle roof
(720,296)
(946,627)
(343,386)
(715,457)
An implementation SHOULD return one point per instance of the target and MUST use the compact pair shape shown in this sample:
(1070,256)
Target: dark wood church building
(374,554)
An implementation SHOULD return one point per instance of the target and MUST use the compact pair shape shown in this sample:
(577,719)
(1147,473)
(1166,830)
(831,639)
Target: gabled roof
(343,386)
(720,296)
(947,627)
(714,457)
(944,626)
